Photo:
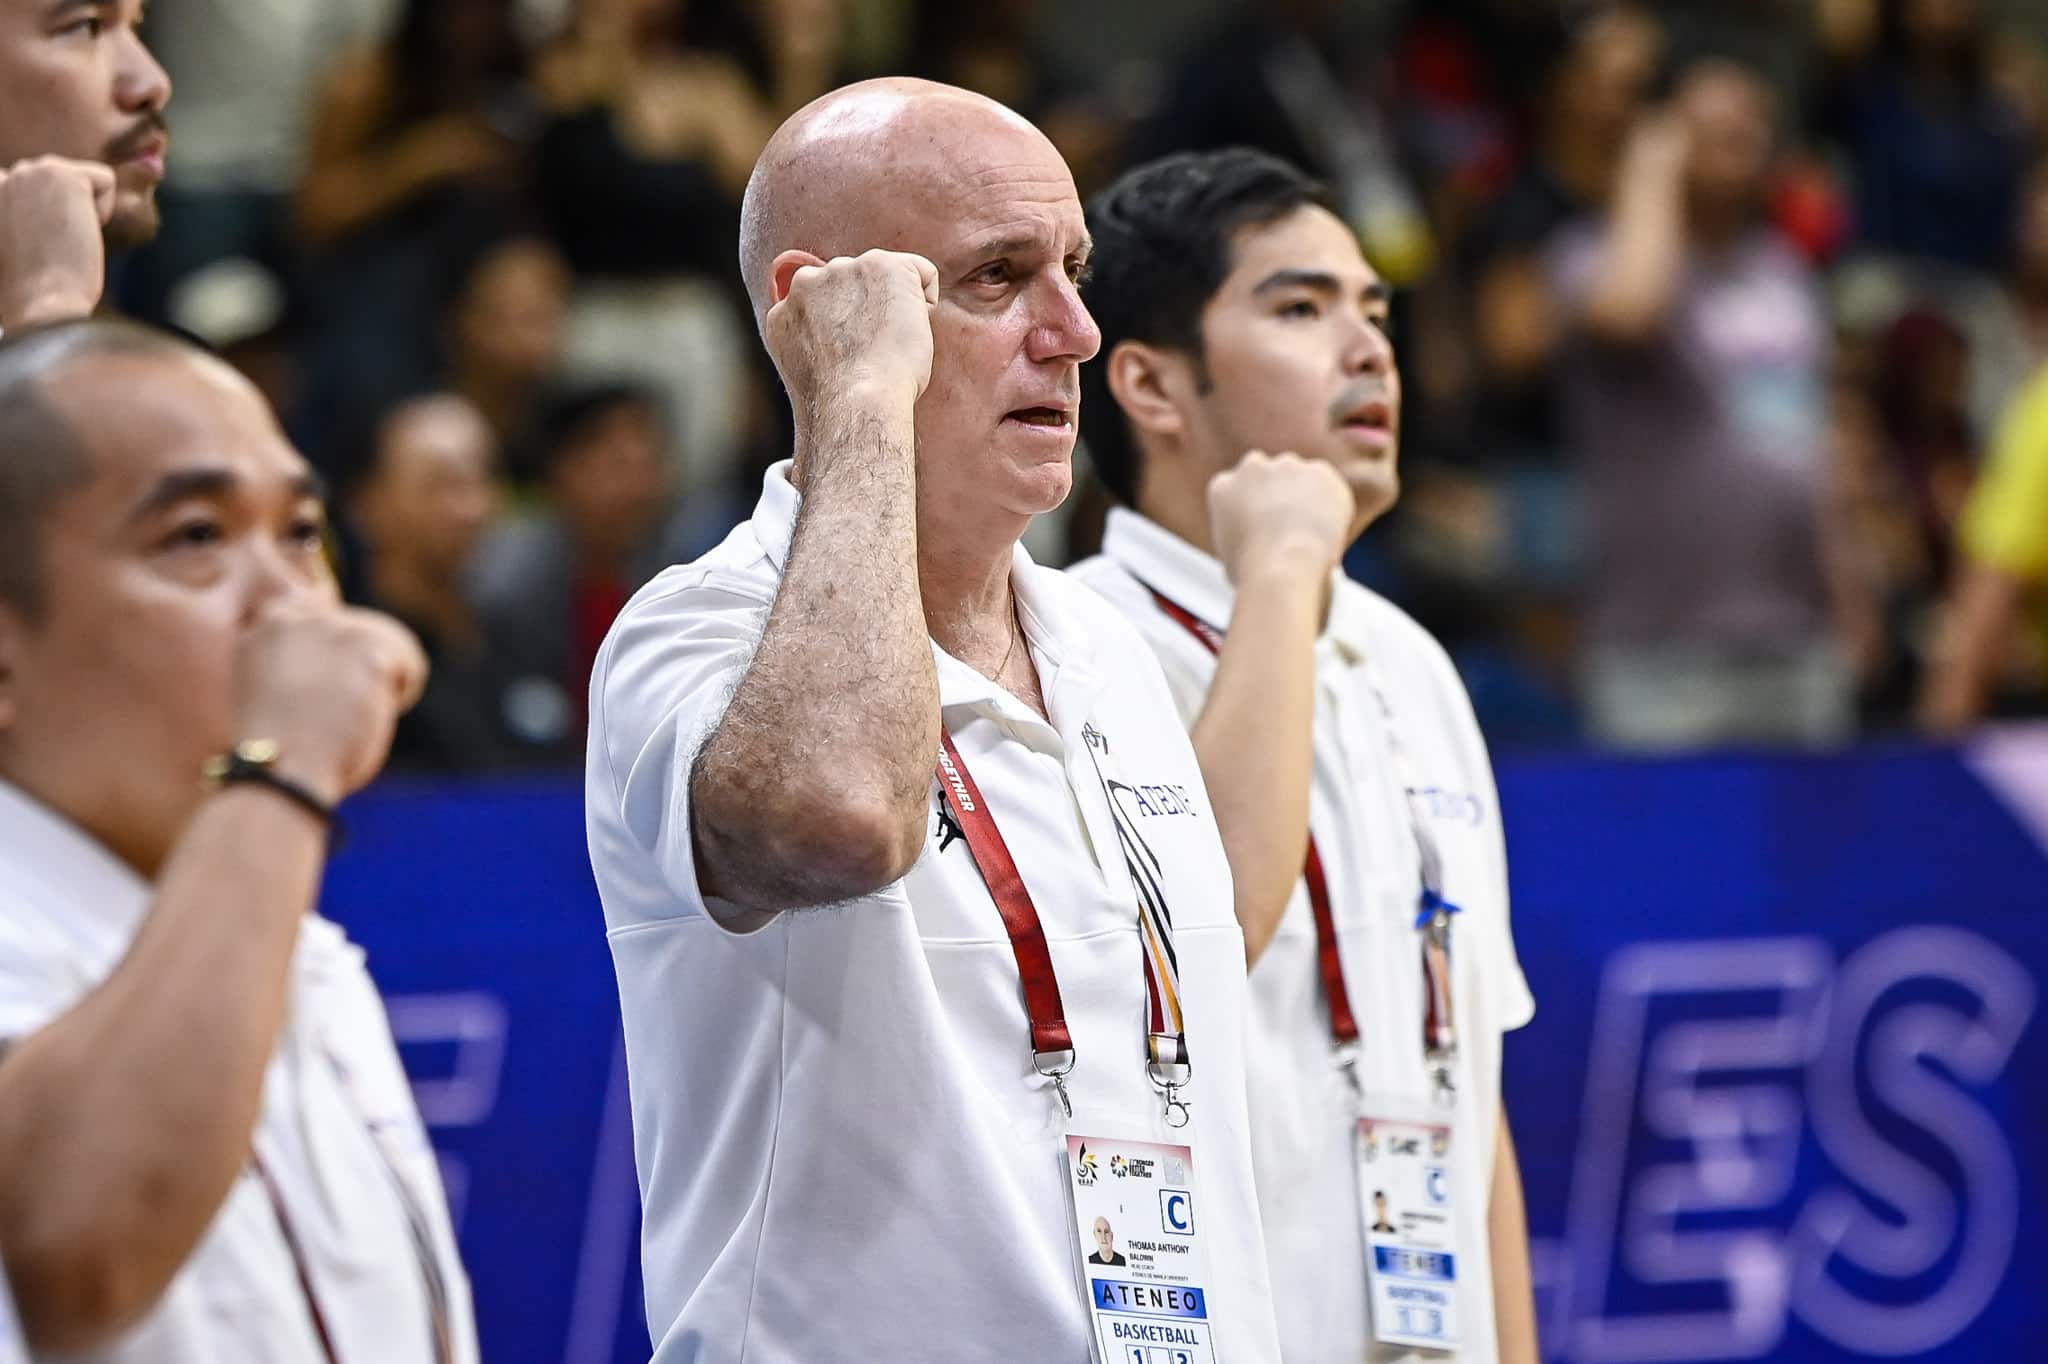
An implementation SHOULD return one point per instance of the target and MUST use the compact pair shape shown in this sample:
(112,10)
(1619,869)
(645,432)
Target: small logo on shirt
(1456,807)
(949,831)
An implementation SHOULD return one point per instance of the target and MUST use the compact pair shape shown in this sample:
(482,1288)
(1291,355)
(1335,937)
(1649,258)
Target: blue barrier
(1782,1099)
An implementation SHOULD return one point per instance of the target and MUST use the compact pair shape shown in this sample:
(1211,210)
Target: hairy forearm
(812,788)
(1254,740)
(1507,1227)
(124,1122)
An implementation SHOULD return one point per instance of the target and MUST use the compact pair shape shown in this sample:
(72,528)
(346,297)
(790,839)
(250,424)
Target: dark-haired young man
(82,148)
(1347,774)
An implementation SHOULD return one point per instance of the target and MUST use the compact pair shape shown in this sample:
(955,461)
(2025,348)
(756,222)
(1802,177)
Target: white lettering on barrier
(1714,1103)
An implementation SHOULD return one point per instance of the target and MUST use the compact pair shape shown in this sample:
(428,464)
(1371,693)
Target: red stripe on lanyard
(1343,1023)
(291,1241)
(1020,916)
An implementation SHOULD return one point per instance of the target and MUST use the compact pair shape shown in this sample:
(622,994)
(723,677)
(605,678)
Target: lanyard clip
(1344,1056)
(1170,1078)
(1055,1066)
(1446,1087)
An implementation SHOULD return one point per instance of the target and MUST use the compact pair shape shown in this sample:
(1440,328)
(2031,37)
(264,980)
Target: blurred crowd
(1724,324)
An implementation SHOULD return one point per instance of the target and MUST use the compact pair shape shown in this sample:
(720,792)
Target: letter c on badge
(1177,1212)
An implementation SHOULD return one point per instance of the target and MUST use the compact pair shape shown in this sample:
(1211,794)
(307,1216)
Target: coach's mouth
(1052,419)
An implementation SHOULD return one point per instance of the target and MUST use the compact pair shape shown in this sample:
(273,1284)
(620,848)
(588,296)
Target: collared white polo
(845,1153)
(1301,1105)
(337,1138)
(12,1349)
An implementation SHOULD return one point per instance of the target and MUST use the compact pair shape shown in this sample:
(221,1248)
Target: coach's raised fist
(853,325)
(327,683)
(53,262)
(1280,512)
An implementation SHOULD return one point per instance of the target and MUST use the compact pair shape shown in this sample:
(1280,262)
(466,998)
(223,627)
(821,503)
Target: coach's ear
(1148,384)
(784,270)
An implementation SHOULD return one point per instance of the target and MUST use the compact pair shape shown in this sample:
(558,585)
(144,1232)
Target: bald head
(869,165)
(43,456)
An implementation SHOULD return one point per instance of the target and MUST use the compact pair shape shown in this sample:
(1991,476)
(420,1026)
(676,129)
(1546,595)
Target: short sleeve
(660,687)
(2005,522)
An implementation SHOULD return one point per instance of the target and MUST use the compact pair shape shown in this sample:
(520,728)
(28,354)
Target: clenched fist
(327,683)
(53,261)
(1280,512)
(856,324)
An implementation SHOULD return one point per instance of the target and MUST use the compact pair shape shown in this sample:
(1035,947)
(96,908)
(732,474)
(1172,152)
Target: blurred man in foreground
(208,1150)
(82,149)
(921,922)
(1347,773)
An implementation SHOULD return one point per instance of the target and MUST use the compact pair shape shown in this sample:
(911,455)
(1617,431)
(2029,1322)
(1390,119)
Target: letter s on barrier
(1903,1035)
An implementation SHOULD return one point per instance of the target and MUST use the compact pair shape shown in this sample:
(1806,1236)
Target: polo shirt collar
(1049,627)
(775,514)
(1194,580)
(98,901)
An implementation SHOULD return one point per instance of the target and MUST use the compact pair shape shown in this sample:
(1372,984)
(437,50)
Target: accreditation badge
(1142,1262)
(1406,1195)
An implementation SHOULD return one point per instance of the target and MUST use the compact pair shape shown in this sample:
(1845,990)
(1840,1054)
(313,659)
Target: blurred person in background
(656,110)
(416,145)
(1292,77)
(2008,326)
(1938,149)
(1238,317)
(503,334)
(1905,458)
(1002,49)
(247,73)
(549,584)
(1992,652)
(208,1147)
(1694,397)
(1589,105)
(428,495)
(82,150)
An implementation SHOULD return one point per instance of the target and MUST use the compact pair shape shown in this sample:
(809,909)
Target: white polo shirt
(1301,1104)
(12,1349)
(844,1151)
(68,912)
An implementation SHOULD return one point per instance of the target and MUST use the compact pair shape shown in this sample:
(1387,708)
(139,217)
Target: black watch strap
(254,763)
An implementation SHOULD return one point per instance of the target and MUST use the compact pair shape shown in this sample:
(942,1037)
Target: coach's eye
(195,534)
(1303,308)
(995,273)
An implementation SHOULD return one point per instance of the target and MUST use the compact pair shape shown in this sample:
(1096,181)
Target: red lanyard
(1343,1023)
(1052,1044)
(1433,919)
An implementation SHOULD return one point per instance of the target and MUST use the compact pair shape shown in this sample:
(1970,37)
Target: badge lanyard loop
(1052,1045)
(1167,1062)
(1433,916)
